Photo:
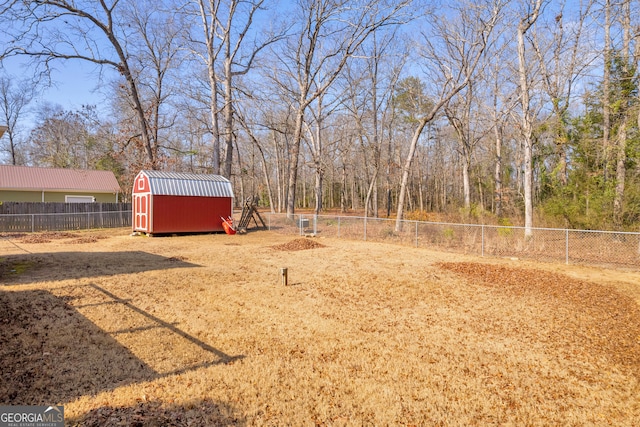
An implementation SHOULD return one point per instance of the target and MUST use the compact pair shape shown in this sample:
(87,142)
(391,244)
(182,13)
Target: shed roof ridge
(187,184)
(154,174)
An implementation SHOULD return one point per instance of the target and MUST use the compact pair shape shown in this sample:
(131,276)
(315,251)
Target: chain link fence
(586,247)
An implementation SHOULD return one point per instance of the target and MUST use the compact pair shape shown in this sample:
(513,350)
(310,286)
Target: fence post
(315,224)
(566,250)
(482,242)
(33,222)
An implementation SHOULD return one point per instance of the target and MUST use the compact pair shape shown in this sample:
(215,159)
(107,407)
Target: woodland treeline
(514,112)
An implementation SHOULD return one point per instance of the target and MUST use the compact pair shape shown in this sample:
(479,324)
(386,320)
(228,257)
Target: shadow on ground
(29,268)
(200,413)
(51,353)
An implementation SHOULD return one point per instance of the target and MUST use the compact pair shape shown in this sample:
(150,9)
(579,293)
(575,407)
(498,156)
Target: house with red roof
(31,184)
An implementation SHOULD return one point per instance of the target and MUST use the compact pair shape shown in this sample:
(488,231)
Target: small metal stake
(284,276)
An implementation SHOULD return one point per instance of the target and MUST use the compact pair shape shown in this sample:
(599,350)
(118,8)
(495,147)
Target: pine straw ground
(197,330)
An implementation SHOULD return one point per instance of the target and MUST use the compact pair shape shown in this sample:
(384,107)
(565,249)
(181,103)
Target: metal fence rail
(620,249)
(64,221)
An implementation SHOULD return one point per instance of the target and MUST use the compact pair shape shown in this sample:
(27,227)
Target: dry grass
(196,330)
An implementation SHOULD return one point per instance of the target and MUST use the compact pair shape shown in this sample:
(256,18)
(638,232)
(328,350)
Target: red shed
(170,202)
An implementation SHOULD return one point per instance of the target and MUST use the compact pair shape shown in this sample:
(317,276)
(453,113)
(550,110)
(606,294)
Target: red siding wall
(184,214)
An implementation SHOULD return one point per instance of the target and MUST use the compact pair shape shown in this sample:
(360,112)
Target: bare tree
(227,30)
(155,55)
(501,104)
(14,101)
(563,60)
(465,119)
(208,14)
(370,85)
(69,139)
(315,137)
(265,168)
(330,33)
(92,31)
(278,122)
(528,20)
(452,53)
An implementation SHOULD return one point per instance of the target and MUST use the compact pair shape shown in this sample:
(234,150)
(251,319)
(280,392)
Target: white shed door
(141,211)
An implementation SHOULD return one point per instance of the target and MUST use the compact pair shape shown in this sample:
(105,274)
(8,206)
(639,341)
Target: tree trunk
(293,165)
(209,38)
(606,95)
(372,185)
(497,174)
(407,168)
(215,130)
(343,192)
(318,189)
(466,181)
(621,146)
(527,120)
(621,172)
(228,117)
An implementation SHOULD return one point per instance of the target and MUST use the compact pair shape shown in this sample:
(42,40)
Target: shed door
(141,211)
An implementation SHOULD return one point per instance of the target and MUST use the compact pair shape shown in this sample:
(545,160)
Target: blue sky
(73,82)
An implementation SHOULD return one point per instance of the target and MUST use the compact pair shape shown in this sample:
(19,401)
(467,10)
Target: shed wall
(188,214)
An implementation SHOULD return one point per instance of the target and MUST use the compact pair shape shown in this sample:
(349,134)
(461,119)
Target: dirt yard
(199,331)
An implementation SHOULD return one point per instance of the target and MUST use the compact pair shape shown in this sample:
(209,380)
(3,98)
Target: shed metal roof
(26,178)
(188,184)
